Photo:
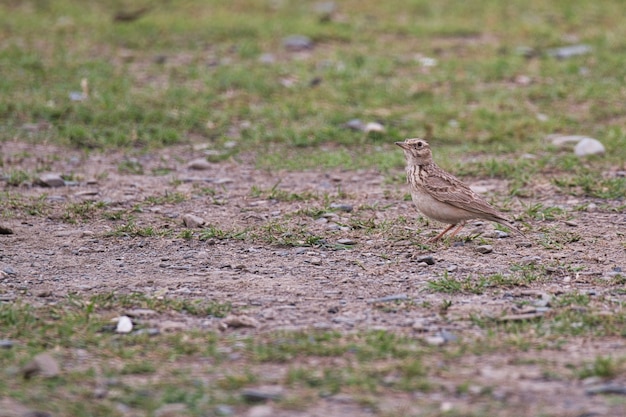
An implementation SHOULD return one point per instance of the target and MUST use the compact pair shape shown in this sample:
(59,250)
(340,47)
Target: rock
(171,326)
(171,410)
(448,336)
(314,260)
(199,164)
(347,242)
(51,180)
(562,140)
(5,230)
(192,221)
(6,344)
(261,411)
(267,58)
(43,364)
(589,146)
(437,340)
(427,259)
(606,389)
(297,43)
(9,271)
(484,249)
(240,321)
(569,51)
(452,268)
(265,393)
(355,124)
(374,127)
(124,325)
(342,207)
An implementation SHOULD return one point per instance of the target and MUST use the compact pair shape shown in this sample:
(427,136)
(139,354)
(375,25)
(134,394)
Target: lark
(440,195)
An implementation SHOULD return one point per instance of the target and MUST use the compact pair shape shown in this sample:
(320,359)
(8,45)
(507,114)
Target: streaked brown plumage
(440,195)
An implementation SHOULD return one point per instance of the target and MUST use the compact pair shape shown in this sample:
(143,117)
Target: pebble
(124,325)
(484,249)
(267,58)
(342,207)
(448,336)
(314,260)
(606,389)
(437,340)
(9,271)
(171,410)
(561,140)
(199,164)
(5,230)
(240,321)
(262,393)
(589,146)
(6,344)
(569,51)
(43,364)
(171,326)
(427,259)
(530,260)
(571,223)
(452,268)
(355,124)
(51,180)
(192,221)
(374,127)
(346,241)
(296,43)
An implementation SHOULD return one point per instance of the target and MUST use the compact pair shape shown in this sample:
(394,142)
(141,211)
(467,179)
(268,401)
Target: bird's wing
(449,189)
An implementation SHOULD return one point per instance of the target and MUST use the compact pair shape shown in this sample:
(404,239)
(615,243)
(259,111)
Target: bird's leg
(436,238)
(458,229)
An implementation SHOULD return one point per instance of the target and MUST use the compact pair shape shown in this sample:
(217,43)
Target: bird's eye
(419,144)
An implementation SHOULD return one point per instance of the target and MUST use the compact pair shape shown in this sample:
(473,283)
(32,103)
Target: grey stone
(342,207)
(589,146)
(261,411)
(388,298)
(265,393)
(43,364)
(484,249)
(355,124)
(606,389)
(427,259)
(51,180)
(224,410)
(348,242)
(192,221)
(6,344)
(9,271)
(240,321)
(199,164)
(569,51)
(171,410)
(297,43)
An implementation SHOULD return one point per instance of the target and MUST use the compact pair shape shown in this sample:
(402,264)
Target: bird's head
(416,151)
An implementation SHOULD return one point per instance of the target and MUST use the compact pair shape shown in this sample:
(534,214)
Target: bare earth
(318,287)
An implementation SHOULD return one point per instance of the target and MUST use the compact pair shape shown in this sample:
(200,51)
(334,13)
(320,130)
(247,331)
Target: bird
(440,195)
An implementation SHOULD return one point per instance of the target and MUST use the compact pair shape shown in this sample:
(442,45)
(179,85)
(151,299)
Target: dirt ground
(322,287)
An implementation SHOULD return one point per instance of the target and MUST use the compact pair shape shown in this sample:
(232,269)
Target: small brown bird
(440,195)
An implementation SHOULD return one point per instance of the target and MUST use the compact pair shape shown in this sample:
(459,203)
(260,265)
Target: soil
(324,286)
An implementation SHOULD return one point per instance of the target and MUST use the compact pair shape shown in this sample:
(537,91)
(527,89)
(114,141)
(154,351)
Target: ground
(272,250)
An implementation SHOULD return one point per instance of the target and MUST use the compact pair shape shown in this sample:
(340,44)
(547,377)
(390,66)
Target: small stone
(523,244)
(262,393)
(170,326)
(569,51)
(51,180)
(571,223)
(5,230)
(314,260)
(199,164)
(427,259)
(267,58)
(561,140)
(6,344)
(124,325)
(484,249)
(606,389)
(43,364)
(435,340)
(530,260)
(355,124)
(589,146)
(342,207)
(192,221)
(347,242)
(374,127)
(452,268)
(448,336)
(9,271)
(297,43)
(240,321)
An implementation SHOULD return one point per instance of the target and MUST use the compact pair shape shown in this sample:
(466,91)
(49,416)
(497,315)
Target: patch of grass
(167,198)
(602,367)
(278,194)
(131,229)
(82,211)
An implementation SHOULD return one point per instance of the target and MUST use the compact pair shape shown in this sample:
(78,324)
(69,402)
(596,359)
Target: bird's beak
(401,144)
